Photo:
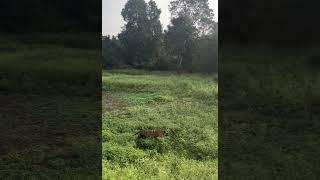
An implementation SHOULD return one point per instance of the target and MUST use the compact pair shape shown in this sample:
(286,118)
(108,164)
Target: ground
(49,110)
(184,104)
(265,130)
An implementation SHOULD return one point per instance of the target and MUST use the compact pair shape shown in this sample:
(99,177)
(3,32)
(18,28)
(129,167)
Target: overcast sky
(112,20)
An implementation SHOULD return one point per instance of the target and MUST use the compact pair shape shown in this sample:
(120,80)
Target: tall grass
(184,104)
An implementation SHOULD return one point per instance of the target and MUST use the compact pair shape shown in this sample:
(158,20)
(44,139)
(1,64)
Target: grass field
(185,104)
(265,129)
(49,110)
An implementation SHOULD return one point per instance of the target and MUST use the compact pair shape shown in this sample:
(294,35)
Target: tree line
(190,42)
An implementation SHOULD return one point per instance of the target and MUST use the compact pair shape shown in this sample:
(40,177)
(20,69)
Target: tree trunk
(179,62)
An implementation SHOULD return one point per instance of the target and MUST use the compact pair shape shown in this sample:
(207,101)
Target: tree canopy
(142,33)
(188,44)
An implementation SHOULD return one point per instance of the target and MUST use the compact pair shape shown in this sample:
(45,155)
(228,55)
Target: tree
(206,54)
(198,11)
(189,43)
(111,53)
(155,34)
(191,34)
(180,41)
(142,33)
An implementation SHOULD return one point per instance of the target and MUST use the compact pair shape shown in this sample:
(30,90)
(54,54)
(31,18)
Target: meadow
(269,113)
(186,105)
(49,108)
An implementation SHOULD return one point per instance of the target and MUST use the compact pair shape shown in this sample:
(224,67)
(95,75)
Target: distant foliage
(142,34)
(180,41)
(112,53)
(189,44)
(197,11)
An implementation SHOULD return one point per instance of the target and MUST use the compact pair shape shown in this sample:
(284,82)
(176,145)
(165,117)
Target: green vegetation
(184,104)
(189,43)
(39,66)
(49,122)
(270,117)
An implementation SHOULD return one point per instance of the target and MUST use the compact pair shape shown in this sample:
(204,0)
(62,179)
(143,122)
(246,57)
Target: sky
(112,20)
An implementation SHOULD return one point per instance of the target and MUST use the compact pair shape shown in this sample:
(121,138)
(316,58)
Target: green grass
(33,66)
(185,104)
(50,110)
(265,130)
